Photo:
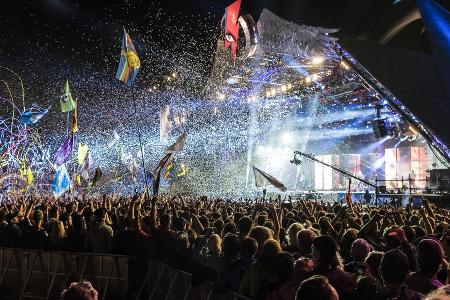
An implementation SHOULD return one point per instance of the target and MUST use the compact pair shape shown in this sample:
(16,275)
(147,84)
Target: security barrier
(33,274)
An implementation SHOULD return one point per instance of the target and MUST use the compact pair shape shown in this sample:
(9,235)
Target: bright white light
(287,138)
(283,88)
(221,96)
(345,65)
(314,77)
(289,86)
(308,79)
(174,75)
(317,60)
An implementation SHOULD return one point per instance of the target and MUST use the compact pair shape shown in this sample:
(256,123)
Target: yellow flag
(82,153)
(183,171)
(29,176)
(78,179)
(75,118)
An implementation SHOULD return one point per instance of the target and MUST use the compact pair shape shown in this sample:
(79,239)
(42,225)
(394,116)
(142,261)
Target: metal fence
(33,274)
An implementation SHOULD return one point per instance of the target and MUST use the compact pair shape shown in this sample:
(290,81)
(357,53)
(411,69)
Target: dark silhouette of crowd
(260,248)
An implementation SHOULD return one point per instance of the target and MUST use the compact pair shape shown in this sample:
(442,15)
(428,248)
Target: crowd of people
(261,248)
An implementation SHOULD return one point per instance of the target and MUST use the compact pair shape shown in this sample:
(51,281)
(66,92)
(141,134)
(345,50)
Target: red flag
(232,26)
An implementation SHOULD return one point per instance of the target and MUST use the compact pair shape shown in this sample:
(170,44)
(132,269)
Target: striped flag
(129,61)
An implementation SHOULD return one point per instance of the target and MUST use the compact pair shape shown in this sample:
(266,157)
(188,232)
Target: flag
(164,123)
(129,61)
(82,153)
(97,176)
(178,145)
(183,170)
(170,168)
(66,100)
(29,176)
(263,179)
(30,118)
(61,182)
(75,118)
(157,173)
(64,151)
(231,34)
(78,179)
(86,166)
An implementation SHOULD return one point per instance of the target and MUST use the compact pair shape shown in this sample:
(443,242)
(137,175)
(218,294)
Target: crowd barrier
(34,274)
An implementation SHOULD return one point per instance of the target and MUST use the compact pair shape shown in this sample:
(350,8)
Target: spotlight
(287,138)
(314,77)
(412,137)
(307,79)
(221,96)
(174,75)
(345,65)
(317,60)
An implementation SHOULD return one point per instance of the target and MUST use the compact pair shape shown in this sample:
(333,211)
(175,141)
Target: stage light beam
(287,138)
(317,60)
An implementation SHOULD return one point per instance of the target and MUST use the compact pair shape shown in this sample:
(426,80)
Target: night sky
(166,33)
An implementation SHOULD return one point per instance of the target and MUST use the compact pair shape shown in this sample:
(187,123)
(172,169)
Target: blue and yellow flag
(129,61)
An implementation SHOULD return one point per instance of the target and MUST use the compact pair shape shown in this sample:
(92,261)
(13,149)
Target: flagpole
(140,141)
(67,124)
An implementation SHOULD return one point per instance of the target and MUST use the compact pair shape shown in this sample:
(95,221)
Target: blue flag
(32,117)
(61,182)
